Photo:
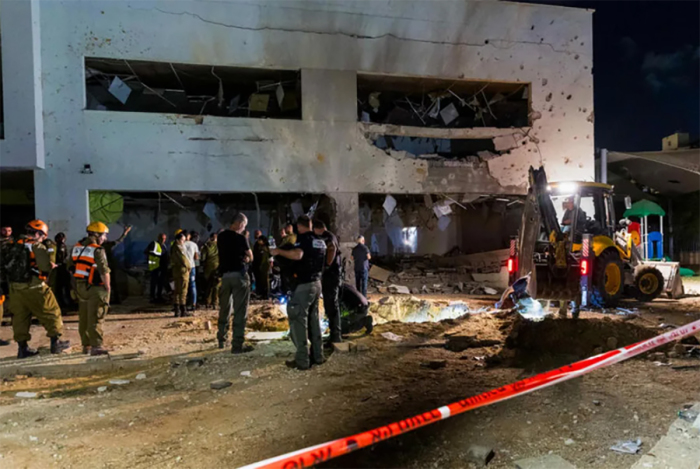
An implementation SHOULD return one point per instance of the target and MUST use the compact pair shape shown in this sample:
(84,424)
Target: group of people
(28,263)
(311,260)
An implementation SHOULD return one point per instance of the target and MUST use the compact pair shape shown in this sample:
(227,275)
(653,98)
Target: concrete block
(548,461)
(220,384)
(480,455)
(342,347)
(377,273)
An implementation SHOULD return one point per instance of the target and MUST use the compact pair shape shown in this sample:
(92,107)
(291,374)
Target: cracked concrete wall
(326,151)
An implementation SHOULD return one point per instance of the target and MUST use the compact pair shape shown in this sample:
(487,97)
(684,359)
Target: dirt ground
(173,419)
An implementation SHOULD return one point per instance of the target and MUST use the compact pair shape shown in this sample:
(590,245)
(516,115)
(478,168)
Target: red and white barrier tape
(313,455)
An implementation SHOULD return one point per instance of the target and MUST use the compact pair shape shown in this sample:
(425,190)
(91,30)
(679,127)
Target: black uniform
(302,310)
(354,309)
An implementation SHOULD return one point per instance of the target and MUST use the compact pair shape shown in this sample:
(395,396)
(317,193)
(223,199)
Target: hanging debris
(440,103)
(163,87)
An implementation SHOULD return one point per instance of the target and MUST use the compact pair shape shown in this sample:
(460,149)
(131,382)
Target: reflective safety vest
(154,256)
(85,267)
(29,244)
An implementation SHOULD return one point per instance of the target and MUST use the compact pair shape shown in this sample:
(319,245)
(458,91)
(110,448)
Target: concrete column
(347,216)
(347,227)
(23,147)
(329,95)
(61,204)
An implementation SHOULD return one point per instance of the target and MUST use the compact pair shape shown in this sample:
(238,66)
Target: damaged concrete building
(443,105)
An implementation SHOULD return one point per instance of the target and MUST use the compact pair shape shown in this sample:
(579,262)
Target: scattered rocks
(247,374)
(141,376)
(569,442)
(220,384)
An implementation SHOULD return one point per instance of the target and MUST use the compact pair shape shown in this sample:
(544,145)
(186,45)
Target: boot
(184,313)
(86,350)
(23,350)
(176,309)
(94,351)
(4,342)
(369,324)
(58,346)
(222,344)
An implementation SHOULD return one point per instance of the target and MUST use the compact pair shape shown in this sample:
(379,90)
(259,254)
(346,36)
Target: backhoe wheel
(608,280)
(649,283)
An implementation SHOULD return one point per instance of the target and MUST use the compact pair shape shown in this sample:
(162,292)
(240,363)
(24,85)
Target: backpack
(15,263)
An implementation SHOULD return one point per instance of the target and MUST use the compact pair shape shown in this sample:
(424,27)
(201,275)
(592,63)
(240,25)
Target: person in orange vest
(5,238)
(27,265)
(91,272)
(2,312)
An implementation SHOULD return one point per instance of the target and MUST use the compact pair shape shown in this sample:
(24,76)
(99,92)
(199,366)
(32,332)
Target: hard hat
(39,225)
(97,227)
(179,231)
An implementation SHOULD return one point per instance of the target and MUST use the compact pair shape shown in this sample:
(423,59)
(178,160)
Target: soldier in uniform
(29,292)
(310,254)
(5,239)
(212,279)
(92,278)
(181,268)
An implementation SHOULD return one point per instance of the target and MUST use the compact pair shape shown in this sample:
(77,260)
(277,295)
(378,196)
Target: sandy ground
(173,419)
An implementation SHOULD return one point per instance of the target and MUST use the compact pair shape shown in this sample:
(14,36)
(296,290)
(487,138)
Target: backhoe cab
(574,249)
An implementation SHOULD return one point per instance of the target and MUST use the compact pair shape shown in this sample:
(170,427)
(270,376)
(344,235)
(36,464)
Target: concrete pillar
(329,95)
(62,205)
(23,147)
(347,227)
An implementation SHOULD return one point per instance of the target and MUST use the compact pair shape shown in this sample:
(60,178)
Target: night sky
(646,70)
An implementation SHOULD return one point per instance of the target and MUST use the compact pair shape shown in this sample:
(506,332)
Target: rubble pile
(469,275)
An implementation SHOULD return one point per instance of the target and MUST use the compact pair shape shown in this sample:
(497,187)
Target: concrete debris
(220,384)
(391,336)
(246,374)
(549,461)
(102,389)
(490,291)
(207,326)
(26,395)
(377,273)
(627,447)
(127,354)
(141,376)
(434,364)
(399,289)
(480,455)
(119,382)
(33,439)
(262,336)
(342,347)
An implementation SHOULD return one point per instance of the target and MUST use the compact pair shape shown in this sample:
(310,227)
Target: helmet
(97,227)
(179,231)
(38,225)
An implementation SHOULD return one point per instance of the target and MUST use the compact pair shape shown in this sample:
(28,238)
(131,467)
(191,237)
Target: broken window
(164,87)
(440,103)
(468,149)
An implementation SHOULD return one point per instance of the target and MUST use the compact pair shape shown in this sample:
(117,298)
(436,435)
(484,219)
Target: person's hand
(127,229)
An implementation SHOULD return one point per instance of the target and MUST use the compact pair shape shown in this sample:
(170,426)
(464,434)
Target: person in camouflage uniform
(212,278)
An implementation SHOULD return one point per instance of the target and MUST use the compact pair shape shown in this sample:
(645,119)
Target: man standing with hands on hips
(234,257)
(310,253)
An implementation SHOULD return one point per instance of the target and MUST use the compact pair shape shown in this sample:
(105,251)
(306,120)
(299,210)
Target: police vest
(33,268)
(85,267)
(154,256)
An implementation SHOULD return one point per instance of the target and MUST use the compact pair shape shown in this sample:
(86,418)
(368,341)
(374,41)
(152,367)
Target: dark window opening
(451,148)
(164,87)
(429,102)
